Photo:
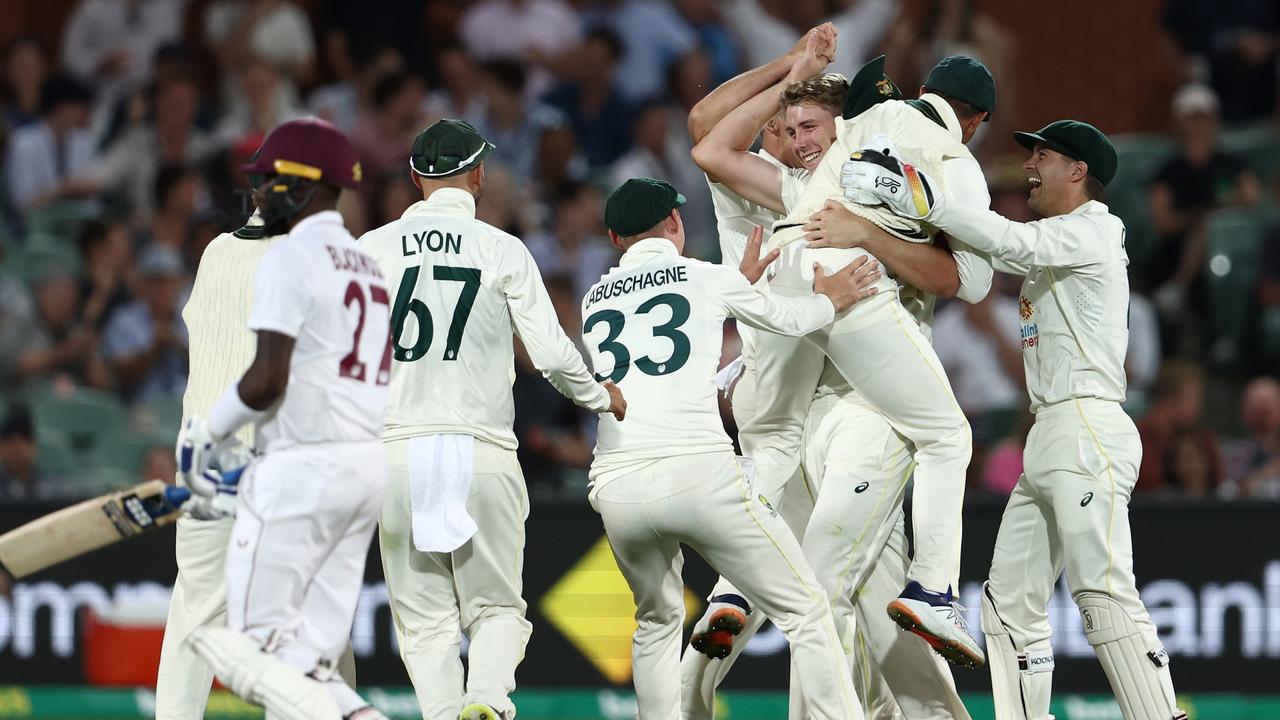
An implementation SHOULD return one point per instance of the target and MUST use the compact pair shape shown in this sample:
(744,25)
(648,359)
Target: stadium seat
(61,218)
(123,450)
(99,481)
(31,263)
(161,417)
(1140,156)
(55,455)
(1232,247)
(1270,331)
(1259,147)
(51,241)
(84,415)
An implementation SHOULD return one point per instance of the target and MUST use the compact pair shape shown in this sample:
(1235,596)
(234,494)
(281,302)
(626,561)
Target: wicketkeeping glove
(870,177)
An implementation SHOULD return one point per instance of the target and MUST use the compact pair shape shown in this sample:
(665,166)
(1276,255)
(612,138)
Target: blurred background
(123,124)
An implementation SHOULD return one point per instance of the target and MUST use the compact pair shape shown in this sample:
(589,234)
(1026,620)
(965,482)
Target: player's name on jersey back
(353,260)
(431,240)
(640,281)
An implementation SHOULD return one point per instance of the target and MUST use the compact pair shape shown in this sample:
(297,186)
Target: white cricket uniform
(221,347)
(462,289)
(308,506)
(668,475)
(1069,510)
(876,345)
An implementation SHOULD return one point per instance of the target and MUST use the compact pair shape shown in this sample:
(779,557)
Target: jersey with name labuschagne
(1074,305)
(460,290)
(654,325)
(217,319)
(318,287)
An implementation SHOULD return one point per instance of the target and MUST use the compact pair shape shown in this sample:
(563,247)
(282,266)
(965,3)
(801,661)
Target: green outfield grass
(85,703)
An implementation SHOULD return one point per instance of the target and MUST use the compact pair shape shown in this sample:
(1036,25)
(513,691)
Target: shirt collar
(324,217)
(949,119)
(642,251)
(445,201)
(1089,207)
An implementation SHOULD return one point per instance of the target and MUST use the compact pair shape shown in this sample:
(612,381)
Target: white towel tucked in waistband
(440,471)
(729,374)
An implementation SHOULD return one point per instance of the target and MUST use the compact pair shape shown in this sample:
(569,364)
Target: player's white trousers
(1070,510)
(476,589)
(199,599)
(881,351)
(295,565)
(706,502)
(856,544)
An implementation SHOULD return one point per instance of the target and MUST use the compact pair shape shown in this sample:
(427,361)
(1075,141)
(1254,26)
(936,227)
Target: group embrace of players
(378,393)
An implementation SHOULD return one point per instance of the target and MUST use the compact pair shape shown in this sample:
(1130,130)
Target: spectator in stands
(20,476)
(344,102)
(458,92)
(1233,47)
(715,41)
(551,430)
(1198,180)
(769,28)
(1191,468)
(508,203)
(26,66)
(534,33)
(158,464)
(110,45)
(382,137)
(169,135)
(275,31)
(146,340)
(560,160)
(575,245)
(652,35)
(47,160)
(262,104)
(58,349)
(1175,418)
(980,346)
(107,278)
(1253,463)
(395,193)
(599,114)
(177,195)
(513,127)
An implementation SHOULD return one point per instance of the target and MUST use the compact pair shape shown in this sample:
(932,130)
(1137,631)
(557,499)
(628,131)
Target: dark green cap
(965,79)
(1078,141)
(448,147)
(870,86)
(638,204)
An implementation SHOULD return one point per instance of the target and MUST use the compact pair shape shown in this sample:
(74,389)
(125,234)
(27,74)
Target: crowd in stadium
(120,149)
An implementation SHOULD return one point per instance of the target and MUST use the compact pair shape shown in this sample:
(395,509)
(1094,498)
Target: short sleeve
(794,181)
(281,298)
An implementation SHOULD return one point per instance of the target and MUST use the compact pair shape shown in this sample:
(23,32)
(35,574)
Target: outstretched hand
(753,266)
(819,52)
(848,285)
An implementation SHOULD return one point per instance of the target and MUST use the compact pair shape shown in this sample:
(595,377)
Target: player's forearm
(793,317)
(927,267)
(713,108)
(564,369)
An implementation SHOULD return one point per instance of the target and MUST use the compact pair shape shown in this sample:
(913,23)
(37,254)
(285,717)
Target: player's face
(1049,175)
(812,129)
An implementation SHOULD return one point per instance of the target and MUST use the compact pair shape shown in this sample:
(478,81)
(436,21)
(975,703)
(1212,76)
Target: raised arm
(713,108)
(724,153)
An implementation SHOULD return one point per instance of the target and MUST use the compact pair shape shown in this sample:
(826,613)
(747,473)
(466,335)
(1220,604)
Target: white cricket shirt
(316,285)
(217,319)
(460,289)
(1074,305)
(654,326)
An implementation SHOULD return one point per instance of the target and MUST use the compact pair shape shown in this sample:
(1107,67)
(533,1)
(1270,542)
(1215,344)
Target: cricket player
(452,528)
(1069,510)
(668,475)
(858,466)
(316,395)
(956,99)
(222,347)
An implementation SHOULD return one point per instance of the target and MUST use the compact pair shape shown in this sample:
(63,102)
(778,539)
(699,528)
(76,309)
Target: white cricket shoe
(724,619)
(938,619)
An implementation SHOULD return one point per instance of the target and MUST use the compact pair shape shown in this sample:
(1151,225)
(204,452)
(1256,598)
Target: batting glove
(871,177)
(206,466)
(222,505)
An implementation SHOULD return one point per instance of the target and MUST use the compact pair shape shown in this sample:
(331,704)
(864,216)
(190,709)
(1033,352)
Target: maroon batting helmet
(311,149)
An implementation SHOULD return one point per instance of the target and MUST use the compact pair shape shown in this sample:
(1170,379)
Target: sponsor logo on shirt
(1030,330)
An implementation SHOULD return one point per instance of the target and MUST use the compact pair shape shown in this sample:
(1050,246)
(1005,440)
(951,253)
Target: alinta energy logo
(592,607)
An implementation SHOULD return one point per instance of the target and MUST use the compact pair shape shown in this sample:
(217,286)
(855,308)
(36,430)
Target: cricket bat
(85,527)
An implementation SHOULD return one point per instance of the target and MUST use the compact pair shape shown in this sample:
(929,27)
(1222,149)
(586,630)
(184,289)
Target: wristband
(230,413)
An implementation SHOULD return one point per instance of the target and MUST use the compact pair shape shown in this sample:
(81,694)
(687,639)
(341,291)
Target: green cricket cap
(870,86)
(965,79)
(1078,141)
(448,147)
(638,204)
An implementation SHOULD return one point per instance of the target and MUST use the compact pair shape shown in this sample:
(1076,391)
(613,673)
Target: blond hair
(826,91)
